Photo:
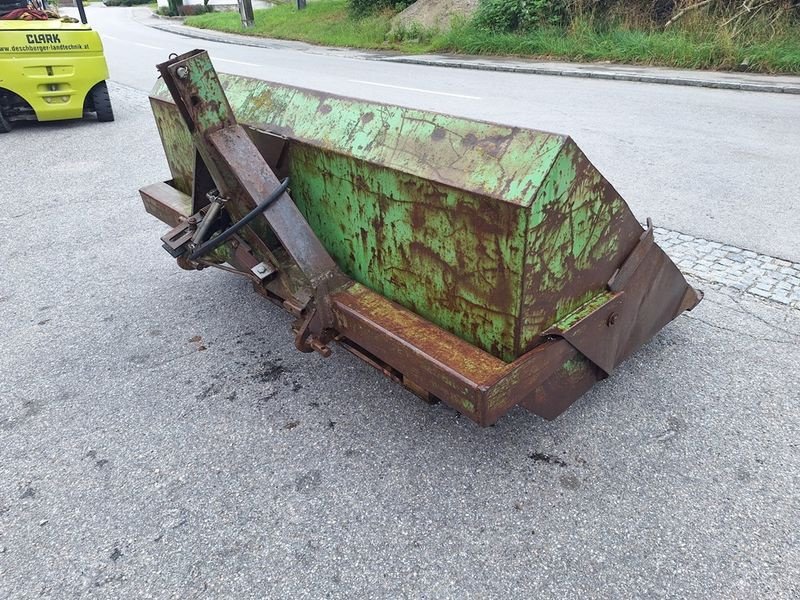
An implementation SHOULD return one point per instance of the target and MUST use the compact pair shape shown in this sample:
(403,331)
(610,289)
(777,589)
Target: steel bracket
(226,158)
(177,240)
(639,301)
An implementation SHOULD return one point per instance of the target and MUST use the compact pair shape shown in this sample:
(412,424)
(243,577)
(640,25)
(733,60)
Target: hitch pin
(211,214)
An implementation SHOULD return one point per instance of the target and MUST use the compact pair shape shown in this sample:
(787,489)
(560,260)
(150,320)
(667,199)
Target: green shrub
(360,8)
(413,33)
(509,16)
(520,15)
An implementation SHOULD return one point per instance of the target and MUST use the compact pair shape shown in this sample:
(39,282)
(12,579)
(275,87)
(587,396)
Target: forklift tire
(101,102)
(5,124)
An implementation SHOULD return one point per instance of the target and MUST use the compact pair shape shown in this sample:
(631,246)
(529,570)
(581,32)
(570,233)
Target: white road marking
(236,62)
(149,46)
(111,37)
(411,89)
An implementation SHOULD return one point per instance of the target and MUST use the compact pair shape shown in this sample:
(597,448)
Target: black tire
(5,124)
(101,102)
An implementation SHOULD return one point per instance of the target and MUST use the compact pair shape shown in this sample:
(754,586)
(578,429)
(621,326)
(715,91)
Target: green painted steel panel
(489,231)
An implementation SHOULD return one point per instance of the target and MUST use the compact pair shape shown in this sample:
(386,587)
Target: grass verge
(327,22)
(673,48)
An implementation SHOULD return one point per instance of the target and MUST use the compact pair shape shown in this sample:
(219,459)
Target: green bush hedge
(527,15)
(360,8)
(520,15)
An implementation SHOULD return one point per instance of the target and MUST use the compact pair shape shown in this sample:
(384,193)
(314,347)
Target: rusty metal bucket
(478,264)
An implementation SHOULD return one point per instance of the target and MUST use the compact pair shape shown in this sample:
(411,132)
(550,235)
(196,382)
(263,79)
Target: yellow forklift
(51,67)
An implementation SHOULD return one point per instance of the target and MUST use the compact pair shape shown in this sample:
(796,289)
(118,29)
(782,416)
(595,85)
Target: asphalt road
(711,163)
(161,438)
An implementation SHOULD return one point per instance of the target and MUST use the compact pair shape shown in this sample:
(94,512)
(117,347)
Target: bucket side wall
(580,230)
(451,257)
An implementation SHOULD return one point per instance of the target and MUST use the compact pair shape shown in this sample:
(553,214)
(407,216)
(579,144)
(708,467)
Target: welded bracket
(641,298)
(227,157)
(176,241)
(594,329)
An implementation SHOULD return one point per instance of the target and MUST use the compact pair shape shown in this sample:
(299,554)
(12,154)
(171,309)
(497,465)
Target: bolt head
(613,317)
(182,72)
(261,269)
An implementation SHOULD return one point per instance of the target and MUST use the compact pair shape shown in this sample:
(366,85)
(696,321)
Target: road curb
(167,18)
(217,36)
(586,73)
(776,88)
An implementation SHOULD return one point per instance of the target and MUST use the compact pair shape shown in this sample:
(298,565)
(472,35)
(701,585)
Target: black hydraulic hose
(208,246)
(81,11)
